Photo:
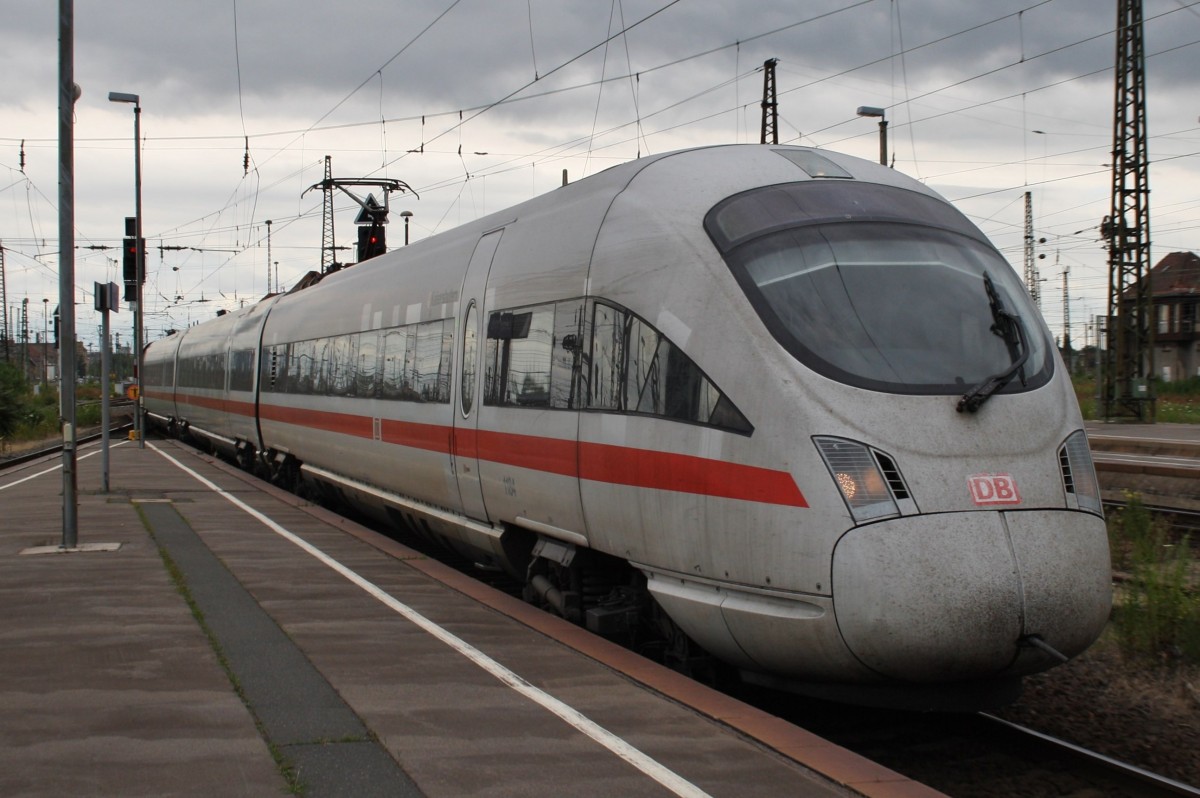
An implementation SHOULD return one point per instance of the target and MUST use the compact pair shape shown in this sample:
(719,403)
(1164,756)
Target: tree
(12,393)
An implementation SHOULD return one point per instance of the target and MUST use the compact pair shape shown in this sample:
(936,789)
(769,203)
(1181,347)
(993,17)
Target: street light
(45,342)
(406,215)
(872,111)
(140,258)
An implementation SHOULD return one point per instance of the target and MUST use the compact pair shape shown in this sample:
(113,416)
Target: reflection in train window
(241,370)
(529,359)
(368,365)
(635,369)
(607,375)
(394,383)
(405,363)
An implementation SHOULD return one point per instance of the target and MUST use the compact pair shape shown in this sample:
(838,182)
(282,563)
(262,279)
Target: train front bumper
(959,596)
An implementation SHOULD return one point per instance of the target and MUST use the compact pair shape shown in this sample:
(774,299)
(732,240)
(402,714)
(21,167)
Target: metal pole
(105,388)
(139,316)
(67,94)
(46,344)
(883,159)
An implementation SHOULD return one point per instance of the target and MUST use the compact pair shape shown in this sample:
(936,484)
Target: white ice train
(788,402)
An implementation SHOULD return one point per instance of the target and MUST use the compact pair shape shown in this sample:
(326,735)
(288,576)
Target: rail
(1132,777)
(34,454)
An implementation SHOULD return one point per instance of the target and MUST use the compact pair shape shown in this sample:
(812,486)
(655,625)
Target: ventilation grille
(1064,462)
(892,475)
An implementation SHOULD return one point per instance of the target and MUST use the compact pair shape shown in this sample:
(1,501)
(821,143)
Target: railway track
(46,451)
(972,755)
(1128,778)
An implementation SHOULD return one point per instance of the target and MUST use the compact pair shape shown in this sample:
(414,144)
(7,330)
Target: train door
(464,448)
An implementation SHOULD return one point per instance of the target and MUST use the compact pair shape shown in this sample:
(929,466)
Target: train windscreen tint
(888,306)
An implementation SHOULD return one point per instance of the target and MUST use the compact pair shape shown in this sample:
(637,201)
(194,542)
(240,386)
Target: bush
(12,395)
(1158,612)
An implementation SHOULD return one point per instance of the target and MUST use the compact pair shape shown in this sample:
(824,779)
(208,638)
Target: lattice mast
(1066,274)
(770,106)
(1032,281)
(328,245)
(1129,357)
(4,336)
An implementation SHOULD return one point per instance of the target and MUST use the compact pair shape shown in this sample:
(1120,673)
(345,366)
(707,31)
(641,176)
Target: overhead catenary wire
(217,224)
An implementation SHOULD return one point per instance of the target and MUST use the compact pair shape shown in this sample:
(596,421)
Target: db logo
(993,489)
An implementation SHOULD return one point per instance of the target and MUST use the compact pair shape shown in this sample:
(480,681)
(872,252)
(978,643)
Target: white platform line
(651,767)
(55,468)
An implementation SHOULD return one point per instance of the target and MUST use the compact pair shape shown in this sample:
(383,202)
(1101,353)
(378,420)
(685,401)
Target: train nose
(952,596)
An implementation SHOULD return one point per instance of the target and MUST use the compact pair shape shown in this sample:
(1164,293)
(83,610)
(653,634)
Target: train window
(607,374)
(443,382)
(760,211)
(303,367)
(645,391)
(368,364)
(394,382)
(428,379)
(564,363)
(878,287)
(527,378)
(405,363)
(470,359)
(636,369)
(241,370)
(530,354)
(343,363)
(273,368)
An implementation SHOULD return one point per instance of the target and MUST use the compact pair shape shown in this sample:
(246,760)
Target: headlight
(1078,473)
(857,473)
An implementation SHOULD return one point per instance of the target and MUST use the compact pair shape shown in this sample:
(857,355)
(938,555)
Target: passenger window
(635,369)
(303,367)
(609,334)
(470,354)
(368,364)
(427,373)
(343,357)
(531,354)
(528,378)
(395,356)
(565,359)
(241,370)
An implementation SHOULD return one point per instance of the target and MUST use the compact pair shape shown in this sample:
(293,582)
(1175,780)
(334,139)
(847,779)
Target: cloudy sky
(480,104)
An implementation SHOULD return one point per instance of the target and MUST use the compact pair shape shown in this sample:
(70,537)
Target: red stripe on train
(598,462)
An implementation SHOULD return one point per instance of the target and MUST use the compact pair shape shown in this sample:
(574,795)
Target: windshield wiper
(1010,328)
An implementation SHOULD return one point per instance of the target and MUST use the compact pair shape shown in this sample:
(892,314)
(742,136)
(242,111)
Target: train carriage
(780,396)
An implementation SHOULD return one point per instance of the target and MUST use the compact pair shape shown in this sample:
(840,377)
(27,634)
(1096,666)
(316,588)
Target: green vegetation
(29,414)
(1178,402)
(1156,612)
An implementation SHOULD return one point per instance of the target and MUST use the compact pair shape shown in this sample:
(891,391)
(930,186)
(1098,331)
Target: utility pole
(1032,280)
(68,93)
(328,253)
(268,258)
(4,305)
(373,214)
(770,106)
(1129,358)
(1066,273)
(25,338)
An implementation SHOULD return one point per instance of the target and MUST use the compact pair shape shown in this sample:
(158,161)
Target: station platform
(212,635)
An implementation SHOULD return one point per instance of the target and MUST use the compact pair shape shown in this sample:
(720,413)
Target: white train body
(737,369)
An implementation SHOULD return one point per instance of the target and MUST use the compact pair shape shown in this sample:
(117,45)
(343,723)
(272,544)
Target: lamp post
(872,111)
(121,97)
(45,342)
(406,215)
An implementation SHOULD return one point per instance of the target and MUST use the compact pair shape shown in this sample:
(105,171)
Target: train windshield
(887,293)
